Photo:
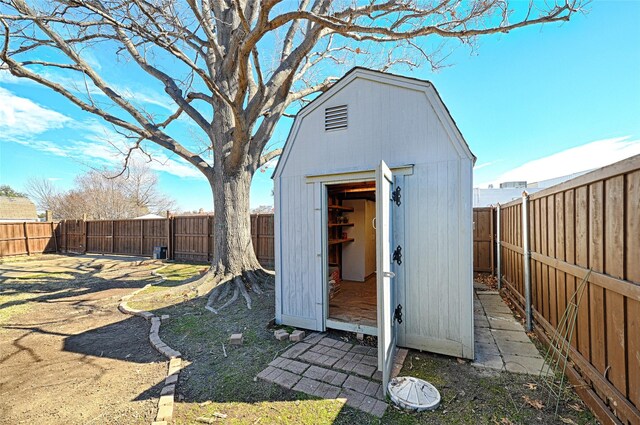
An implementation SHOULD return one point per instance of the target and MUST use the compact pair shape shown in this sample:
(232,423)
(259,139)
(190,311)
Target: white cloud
(483,165)
(25,122)
(23,118)
(138,95)
(574,160)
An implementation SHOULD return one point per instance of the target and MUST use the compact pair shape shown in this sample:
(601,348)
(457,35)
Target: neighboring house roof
(17,208)
(148,217)
(383,77)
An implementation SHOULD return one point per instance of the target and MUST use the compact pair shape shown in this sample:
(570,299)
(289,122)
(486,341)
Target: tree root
(243,290)
(254,281)
(230,287)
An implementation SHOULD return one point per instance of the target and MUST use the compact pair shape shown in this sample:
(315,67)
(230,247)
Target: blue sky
(537,103)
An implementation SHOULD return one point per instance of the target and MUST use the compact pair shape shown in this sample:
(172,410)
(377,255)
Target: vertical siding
(438,259)
(299,283)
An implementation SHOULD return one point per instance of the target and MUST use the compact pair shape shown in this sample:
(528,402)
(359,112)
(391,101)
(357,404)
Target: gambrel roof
(385,78)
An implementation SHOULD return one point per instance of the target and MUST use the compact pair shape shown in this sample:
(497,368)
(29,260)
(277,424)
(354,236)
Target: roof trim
(384,77)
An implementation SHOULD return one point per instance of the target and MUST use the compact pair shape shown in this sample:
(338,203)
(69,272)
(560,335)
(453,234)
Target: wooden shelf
(337,241)
(340,224)
(340,208)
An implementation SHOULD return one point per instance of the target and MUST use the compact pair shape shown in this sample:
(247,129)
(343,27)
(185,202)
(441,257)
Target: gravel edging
(167,394)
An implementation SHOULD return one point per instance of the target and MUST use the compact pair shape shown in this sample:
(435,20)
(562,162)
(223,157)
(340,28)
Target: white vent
(335,118)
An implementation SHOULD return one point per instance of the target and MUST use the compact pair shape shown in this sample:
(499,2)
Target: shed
(373,218)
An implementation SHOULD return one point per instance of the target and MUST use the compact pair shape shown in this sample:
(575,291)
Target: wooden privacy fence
(187,238)
(483,239)
(26,238)
(588,223)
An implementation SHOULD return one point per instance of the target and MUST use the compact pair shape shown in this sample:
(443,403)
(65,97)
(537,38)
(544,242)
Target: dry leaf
(531,385)
(536,404)
(461,361)
(506,421)
(576,407)
(567,421)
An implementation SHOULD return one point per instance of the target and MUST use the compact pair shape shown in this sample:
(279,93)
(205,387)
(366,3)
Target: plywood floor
(355,303)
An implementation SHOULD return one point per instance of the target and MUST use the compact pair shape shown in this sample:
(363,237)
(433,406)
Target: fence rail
(588,223)
(187,238)
(26,238)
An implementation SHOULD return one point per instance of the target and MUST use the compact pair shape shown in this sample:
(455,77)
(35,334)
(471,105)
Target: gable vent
(335,118)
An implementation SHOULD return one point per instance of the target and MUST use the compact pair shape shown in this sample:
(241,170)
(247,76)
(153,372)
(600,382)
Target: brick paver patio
(325,367)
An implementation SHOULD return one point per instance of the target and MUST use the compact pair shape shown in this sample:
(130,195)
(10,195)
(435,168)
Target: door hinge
(395,196)
(397,255)
(397,315)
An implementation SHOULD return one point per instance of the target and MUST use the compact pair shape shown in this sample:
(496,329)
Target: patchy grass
(175,274)
(25,281)
(217,384)
(43,277)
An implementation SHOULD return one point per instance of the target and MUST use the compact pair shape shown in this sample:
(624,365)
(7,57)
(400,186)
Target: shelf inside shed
(337,241)
(340,208)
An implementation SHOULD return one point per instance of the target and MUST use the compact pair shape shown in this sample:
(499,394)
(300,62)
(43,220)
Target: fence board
(26,238)
(592,222)
(483,240)
(187,238)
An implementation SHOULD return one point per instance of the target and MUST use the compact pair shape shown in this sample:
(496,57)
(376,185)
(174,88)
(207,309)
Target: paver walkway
(325,367)
(500,340)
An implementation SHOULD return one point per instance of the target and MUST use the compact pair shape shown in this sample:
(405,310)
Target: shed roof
(17,208)
(357,72)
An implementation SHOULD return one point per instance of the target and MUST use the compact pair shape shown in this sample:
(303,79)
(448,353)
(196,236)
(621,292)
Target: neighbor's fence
(187,238)
(588,223)
(26,238)
(483,239)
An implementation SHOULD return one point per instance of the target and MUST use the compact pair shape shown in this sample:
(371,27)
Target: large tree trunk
(233,251)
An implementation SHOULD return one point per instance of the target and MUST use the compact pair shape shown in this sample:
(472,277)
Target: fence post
(256,246)
(26,237)
(499,248)
(55,238)
(526,259)
(141,237)
(168,230)
(84,230)
(112,234)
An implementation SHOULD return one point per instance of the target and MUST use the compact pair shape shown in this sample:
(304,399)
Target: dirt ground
(67,355)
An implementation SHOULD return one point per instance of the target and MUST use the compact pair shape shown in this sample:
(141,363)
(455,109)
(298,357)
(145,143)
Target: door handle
(390,275)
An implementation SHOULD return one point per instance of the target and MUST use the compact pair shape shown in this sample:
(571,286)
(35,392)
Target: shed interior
(352,256)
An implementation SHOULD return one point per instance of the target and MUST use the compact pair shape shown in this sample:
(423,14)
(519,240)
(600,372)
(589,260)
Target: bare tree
(103,195)
(233,67)
(140,183)
(43,192)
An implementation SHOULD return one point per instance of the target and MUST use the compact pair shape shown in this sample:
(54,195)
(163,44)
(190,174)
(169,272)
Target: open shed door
(385,275)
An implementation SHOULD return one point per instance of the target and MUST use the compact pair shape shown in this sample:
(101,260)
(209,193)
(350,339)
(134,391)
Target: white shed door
(385,276)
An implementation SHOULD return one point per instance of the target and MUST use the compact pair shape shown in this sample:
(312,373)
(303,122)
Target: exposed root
(230,301)
(243,290)
(268,277)
(230,287)
(220,291)
(254,281)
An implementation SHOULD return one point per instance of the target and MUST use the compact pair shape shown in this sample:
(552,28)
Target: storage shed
(373,218)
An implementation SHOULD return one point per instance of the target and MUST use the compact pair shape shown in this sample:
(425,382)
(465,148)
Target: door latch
(397,314)
(395,196)
(397,255)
